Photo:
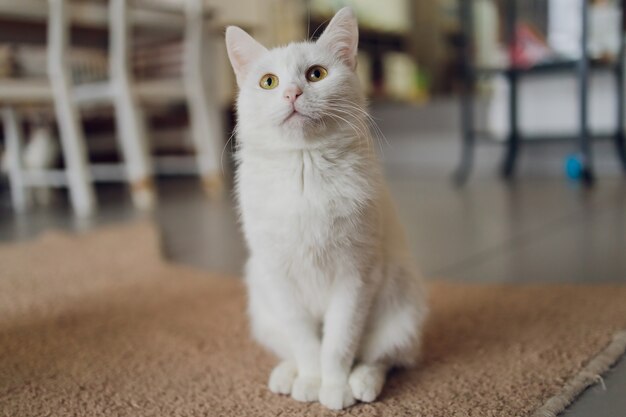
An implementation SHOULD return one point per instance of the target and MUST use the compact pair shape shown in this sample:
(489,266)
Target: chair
(57,92)
(125,93)
(129,95)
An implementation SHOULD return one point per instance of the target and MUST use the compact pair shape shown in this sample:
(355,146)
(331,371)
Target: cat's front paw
(305,389)
(336,396)
(282,377)
(367,382)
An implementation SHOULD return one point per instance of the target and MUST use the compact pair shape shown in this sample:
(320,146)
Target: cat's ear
(342,36)
(242,50)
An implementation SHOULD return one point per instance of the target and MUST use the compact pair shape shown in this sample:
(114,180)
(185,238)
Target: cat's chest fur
(303,202)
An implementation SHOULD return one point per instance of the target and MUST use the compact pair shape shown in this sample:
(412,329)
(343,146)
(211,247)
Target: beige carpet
(99,325)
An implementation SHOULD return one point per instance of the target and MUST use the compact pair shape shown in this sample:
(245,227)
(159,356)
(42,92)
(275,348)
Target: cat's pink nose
(292,93)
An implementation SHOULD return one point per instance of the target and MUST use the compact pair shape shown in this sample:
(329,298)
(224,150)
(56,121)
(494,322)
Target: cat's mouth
(295,114)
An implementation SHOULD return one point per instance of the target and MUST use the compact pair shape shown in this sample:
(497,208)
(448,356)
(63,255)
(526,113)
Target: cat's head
(301,89)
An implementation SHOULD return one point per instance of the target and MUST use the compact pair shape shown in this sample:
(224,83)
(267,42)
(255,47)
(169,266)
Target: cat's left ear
(342,36)
(242,50)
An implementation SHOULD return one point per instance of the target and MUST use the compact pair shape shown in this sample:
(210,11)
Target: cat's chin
(297,120)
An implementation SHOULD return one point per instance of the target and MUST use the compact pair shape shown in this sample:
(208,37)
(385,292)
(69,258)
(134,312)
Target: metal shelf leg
(620,144)
(467,100)
(512,147)
(467,146)
(583,85)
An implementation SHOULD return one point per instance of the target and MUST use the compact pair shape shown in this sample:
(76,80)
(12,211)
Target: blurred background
(501,124)
(501,127)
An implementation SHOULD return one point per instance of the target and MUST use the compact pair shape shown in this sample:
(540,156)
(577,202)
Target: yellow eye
(316,73)
(269,81)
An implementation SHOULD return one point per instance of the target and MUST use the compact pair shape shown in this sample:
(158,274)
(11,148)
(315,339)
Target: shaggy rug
(100,325)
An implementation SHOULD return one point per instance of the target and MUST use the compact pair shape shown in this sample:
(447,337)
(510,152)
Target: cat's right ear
(243,50)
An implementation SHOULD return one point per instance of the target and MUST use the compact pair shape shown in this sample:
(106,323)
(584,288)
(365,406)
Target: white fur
(332,287)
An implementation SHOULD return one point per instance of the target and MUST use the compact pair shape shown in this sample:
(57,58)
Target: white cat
(332,287)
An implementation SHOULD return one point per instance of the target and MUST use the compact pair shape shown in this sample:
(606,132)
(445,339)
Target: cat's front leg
(305,345)
(343,325)
(280,323)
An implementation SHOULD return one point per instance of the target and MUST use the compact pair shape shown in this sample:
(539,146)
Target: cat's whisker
(360,134)
(318,28)
(230,138)
(349,104)
(363,127)
(353,105)
(367,123)
(356,129)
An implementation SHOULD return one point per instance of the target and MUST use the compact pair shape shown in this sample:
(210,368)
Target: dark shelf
(541,139)
(581,68)
(546,68)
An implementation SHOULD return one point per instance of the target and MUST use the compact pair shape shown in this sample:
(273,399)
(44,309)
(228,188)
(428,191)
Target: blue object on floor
(573,167)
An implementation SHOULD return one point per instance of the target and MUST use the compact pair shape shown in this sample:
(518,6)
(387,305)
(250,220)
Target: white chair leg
(129,117)
(205,117)
(72,140)
(12,133)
